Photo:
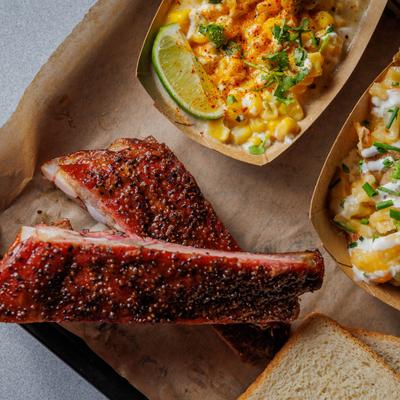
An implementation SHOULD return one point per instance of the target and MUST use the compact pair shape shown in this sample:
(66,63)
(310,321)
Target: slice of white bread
(388,347)
(324,361)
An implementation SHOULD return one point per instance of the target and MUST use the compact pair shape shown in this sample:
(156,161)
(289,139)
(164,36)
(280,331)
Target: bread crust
(297,336)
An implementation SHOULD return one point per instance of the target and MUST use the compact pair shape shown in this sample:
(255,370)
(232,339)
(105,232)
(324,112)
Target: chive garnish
(383,147)
(369,190)
(388,162)
(395,214)
(389,191)
(364,221)
(395,113)
(352,245)
(396,171)
(384,204)
(345,169)
(345,227)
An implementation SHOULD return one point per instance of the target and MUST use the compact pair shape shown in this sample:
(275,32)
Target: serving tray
(74,352)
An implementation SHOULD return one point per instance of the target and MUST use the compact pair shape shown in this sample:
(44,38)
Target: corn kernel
(258,125)
(268,26)
(180,17)
(252,104)
(295,111)
(241,134)
(316,59)
(286,127)
(255,140)
(268,7)
(198,38)
(272,126)
(392,77)
(323,19)
(217,130)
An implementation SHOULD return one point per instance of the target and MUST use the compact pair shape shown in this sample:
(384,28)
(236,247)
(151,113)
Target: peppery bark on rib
(69,280)
(149,193)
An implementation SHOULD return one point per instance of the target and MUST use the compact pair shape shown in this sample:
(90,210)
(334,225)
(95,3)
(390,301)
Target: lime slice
(183,76)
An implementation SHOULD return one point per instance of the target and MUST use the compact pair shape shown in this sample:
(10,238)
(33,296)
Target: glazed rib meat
(54,274)
(140,187)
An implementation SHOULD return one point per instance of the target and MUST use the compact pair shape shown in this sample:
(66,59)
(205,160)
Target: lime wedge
(183,76)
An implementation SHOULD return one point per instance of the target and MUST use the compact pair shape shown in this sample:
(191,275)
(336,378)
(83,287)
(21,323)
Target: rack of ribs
(140,187)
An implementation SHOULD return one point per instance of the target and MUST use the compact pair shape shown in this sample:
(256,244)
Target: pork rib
(139,187)
(54,274)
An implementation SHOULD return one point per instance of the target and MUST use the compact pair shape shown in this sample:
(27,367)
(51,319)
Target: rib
(56,275)
(139,187)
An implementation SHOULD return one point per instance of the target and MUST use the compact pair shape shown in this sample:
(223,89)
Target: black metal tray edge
(75,353)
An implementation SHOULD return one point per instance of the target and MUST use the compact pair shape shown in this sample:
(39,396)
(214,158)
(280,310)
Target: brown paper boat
(334,242)
(314,107)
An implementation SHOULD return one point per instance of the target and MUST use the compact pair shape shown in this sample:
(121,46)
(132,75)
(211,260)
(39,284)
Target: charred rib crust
(91,282)
(150,193)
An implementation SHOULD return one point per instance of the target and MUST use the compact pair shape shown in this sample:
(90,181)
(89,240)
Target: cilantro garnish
(281,92)
(233,48)
(214,33)
(300,55)
(279,60)
(286,33)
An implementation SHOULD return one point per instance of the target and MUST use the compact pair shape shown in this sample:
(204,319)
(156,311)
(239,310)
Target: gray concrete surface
(30,30)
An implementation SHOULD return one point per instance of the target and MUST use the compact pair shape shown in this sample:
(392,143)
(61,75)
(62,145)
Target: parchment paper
(86,96)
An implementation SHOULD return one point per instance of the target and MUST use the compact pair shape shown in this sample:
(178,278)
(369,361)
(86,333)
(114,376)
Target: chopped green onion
(231,99)
(387,162)
(345,227)
(389,191)
(364,221)
(383,147)
(395,84)
(396,224)
(384,204)
(395,113)
(345,169)
(396,171)
(395,214)
(334,183)
(352,245)
(369,190)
